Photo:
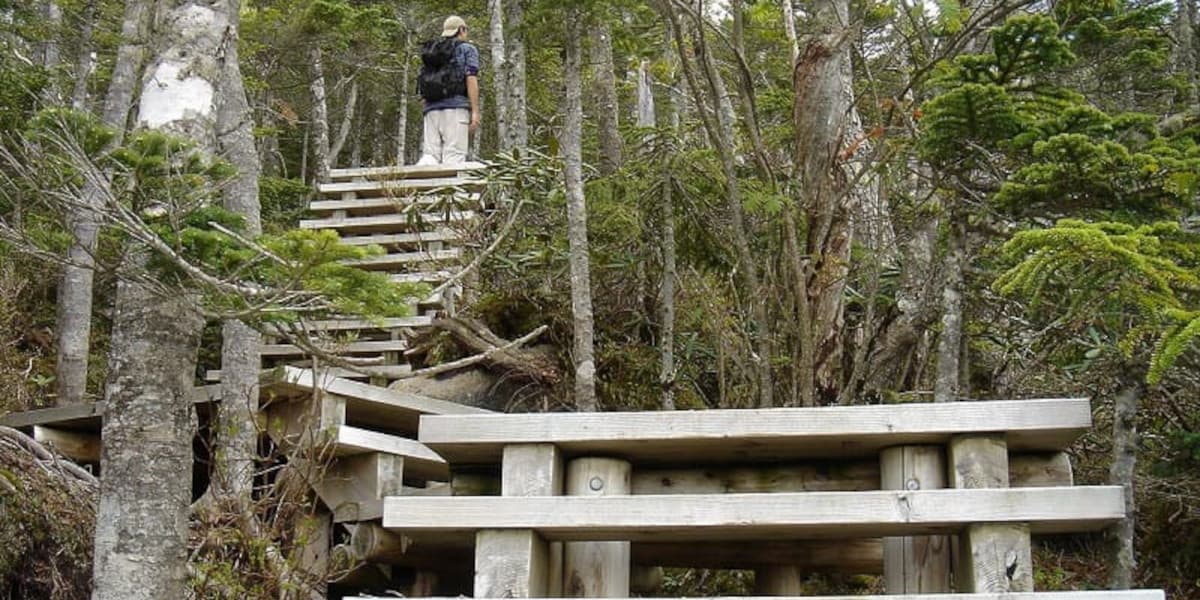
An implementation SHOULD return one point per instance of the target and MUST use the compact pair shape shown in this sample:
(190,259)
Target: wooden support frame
(915,564)
(597,569)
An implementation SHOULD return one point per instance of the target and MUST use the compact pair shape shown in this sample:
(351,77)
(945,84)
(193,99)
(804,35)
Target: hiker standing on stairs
(449,86)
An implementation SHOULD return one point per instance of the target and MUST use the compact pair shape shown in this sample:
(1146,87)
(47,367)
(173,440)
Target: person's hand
(474,120)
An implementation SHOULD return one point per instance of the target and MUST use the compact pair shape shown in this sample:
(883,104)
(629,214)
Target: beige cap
(452,25)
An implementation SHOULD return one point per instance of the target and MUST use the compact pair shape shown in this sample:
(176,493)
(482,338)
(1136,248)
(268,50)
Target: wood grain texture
(79,446)
(916,564)
(405,172)
(510,564)
(1083,595)
(537,470)
(596,569)
(688,437)
(763,516)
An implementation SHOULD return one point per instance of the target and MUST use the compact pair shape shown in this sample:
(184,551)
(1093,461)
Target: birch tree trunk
(86,61)
(347,126)
(402,109)
(1125,447)
(320,117)
(75,292)
(572,149)
(141,533)
(51,53)
(237,431)
(824,95)
(515,94)
(666,336)
(499,72)
(605,91)
(947,386)
(1183,53)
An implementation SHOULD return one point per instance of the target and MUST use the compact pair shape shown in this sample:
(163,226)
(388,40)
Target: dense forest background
(787,204)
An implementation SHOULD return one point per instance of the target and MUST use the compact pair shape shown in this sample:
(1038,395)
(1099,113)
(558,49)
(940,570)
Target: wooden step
(419,460)
(399,260)
(430,277)
(758,435)
(384,371)
(406,171)
(348,348)
(365,324)
(389,204)
(390,223)
(403,240)
(86,417)
(399,186)
(1080,595)
(708,517)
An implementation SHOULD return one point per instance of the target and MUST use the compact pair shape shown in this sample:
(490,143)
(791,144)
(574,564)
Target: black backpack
(441,77)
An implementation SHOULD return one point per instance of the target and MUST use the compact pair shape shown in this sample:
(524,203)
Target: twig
(470,360)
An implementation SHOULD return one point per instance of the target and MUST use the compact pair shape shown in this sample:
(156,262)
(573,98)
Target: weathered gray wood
(386,371)
(779,580)
(79,446)
(597,569)
(918,564)
(759,434)
(405,259)
(368,324)
(1025,470)
(510,564)
(996,556)
(1081,595)
(359,205)
(420,461)
(852,557)
(763,516)
(537,470)
(355,512)
(370,476)
(404,239)
(406,172)
(314,555)
(390,223)
(399,186)
(367,347)
(86,417)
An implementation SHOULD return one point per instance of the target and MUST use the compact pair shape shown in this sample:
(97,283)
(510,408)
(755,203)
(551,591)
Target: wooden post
(918,564)
(996,558)
(314,556)
(597,569)
(519,563)
(778,581)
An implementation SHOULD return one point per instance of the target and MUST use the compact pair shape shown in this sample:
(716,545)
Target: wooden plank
(850,557)
(536,470)
(1025,470)
(406,171)
(916,564)
(360,206)
(385,371)
(389,223)
(357,347)
(763,516)
(79,446)
(749,435)
(383,262)
(370,476)
(1079,595)
(400,186)
(419,460)
(351,324)
(403,239)
(597,569)
(356,512)
(511,564)
(316,535)
(778,581)
(997,557)
(430,277)
(87,417)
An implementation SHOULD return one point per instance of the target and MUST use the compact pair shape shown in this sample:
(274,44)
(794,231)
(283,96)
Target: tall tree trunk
(141,533)
(605,91)
(704,80)
(347,126)
(85,63)
(514,49)
(320,117)
(499,72)
(51,51)
(572,149)
(948,385)
(666,316)
(1124,463)
(789,29)
(824,95)
(378,139)
(1183,53)
(75,292)
(237,432)
(402,109)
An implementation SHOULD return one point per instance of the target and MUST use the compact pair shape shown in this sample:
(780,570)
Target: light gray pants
(447,136)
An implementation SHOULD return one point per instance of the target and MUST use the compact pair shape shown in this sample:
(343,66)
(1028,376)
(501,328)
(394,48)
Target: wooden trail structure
(435,499)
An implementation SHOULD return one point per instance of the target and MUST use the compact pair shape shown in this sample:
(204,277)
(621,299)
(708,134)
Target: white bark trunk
(347,126)
(320,117)
(514,48)
(141,534)
(402,110)
(86,61)
(75,293)
(1122,473)
(499,72)
(948,385)
(666,337)
(237,433)
(605,92)
(581,286)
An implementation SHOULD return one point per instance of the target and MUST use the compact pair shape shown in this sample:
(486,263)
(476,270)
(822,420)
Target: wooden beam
(406,240)
(688,437)
(370,476)
(915,564)
(79,446)
(390,203)
(398,260)
(389,223)
(399,186)
(779,580)
(596,569)
(997,557)
(537,470)
(763,516)
(368,324)
(1081,595)
(850,557)
(406,171)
